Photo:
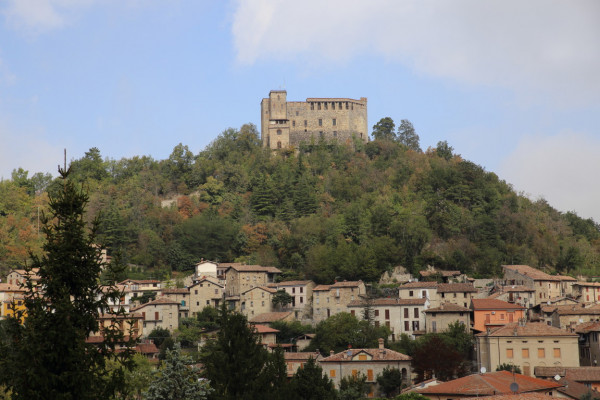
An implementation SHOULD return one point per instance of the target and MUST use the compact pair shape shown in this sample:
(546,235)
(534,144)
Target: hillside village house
(489,313)
(140,286)
(255,301)
(589,376)
(180,295)
(568,316)
(329,300)
(205,292)
(546,286)
(125,301)
(159,313)
(301,292)
(296,360)
(400,315)
(527,345)
(19,276)
(369,362)
(11,299)
(518,294)
(267,335)
(239,278)
(438,319)
(437,293)
(589,343)
(205,269)
(588,292)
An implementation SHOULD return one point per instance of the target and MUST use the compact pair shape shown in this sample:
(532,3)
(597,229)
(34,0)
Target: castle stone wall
(287,124)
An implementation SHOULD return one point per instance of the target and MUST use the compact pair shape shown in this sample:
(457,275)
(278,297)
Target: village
(545,325)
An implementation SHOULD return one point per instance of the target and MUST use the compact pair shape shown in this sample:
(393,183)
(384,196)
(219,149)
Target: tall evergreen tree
(47,357)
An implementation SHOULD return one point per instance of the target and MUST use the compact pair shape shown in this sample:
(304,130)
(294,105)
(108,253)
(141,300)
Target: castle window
(296,113)
(278,145)
(318,106)
(294,123)
(304,129)
(352,106)
(279,131)
(346,105)
(334,122)
(334,133)
(333,106)
(340,105)
(320,122)
(312,106)
(325,105)
(305,123)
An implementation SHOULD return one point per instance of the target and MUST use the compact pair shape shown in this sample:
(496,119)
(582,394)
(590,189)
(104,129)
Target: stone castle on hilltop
(286,124)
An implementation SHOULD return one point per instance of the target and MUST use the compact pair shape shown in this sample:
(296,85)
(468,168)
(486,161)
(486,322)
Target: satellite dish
(483,370)
(557,377)
(514,387)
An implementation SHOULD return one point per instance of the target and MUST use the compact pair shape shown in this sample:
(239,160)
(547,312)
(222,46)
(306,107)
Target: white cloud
(537,48)
(562,169)
(36,16)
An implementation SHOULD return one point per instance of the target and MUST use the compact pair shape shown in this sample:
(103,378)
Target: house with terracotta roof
(439,318)
(490,384)
(180,295)
(141,286)
(400,315)
(588,376)
(18,277)
(329,300)
(586,292)
(568,316)
(268,335)
(160,313)
(205,292)
(239,277)
(589,343)
(301,292)
(11,299)
(296,360)
(456,293)
(419,290)
(255,301)
(518,294)
(489,313)
(527,345)
(369,362)
(546,286)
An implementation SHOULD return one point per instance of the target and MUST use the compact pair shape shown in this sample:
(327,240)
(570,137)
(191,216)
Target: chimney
(331,352)
(381,344)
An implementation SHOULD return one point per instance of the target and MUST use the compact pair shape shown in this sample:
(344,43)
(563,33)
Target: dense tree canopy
(345,211)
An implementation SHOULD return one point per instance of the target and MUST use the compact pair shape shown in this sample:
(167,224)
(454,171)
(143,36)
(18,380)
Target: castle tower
(275,127)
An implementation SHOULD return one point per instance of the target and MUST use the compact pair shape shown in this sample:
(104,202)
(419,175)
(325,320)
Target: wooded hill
(330,211)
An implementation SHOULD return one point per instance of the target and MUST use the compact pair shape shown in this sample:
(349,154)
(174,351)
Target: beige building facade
(240,278)
(256,301)
(528,345)
(206,292)
(546,286)
(286,124)
(302,294)
(329,300)
(439,319)
(159,313)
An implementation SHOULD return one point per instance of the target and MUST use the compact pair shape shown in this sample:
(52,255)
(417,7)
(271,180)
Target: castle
(286,124)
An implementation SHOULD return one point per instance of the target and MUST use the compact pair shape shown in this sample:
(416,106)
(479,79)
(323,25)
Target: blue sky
(513,86)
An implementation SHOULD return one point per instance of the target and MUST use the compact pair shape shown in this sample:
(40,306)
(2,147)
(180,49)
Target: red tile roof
(576,309)
(533,329)
(251,268)
(492,383)
(448,308)
(270,317)
(293,283)
(388,302)
(456,288)
(518,396)
(264,329)
(576,390)
(419,285)
(516,288)
(376,354)
(532,273)
(494,304)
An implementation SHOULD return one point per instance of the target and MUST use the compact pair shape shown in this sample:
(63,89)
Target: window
(502,316)
(416,312)
(333,106)
(318,106)
(423,293)
(332,373)
(301,300)
(301,289)
(406,326)
(320,122)
(443,295)
(156,315)
(410,293)
(312,106)
(387,314)
(263,303)
(305,123)
(377,313)
(325,105)
(198,303)
(278,145)
(509,353)
(556,353)
(370,375)
(406,313)
(362,357)
(293,290)
(415,325)
(433,326)
(346,105)
(294,123)
(296,113)
(216,291)
(525,353)
(333,122)
(335,135)
(355,371)
(279,131)
(541,353)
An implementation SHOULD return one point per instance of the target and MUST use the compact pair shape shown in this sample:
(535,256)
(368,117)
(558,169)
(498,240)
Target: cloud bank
(541,49)
(562,169)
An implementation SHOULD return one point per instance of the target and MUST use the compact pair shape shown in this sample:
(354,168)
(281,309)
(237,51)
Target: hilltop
(321,212)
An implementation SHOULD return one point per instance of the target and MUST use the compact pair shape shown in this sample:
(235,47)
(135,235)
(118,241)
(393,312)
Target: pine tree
(47,357)
(177,381)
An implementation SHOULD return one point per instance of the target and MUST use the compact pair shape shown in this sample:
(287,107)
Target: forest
(324,211)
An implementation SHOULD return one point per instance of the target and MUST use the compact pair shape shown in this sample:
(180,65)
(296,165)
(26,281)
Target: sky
(513,86)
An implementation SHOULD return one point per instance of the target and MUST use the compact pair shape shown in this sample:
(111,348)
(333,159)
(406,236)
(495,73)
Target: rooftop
(387,302)
(448,308)
(491,383)
(456,287)
(494,304)
(376,354)
(533,329)
(532,273)
(419,285)
(579,374)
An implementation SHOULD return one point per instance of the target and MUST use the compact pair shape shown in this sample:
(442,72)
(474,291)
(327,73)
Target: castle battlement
(287,124)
